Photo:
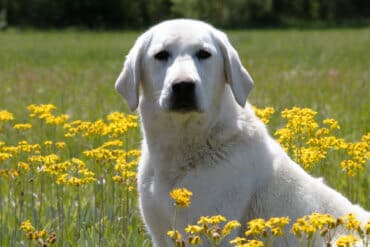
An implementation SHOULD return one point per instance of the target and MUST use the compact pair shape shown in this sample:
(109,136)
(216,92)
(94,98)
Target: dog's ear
(128,82)
(241,82)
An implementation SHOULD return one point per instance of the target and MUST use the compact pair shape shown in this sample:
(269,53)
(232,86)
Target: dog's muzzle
(183,97)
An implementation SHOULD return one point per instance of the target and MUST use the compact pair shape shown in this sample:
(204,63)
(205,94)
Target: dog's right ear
(128,82)
(237,76)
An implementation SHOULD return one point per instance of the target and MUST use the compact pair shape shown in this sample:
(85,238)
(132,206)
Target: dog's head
(182,66)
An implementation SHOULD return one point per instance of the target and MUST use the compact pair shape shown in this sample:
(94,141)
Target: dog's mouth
(183,104)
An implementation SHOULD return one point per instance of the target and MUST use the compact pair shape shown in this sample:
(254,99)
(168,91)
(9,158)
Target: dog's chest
(175,162)
(211,172)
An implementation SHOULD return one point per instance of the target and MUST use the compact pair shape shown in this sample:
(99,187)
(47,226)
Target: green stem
(78,213)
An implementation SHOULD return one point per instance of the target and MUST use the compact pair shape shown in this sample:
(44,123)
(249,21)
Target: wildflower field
(69,147)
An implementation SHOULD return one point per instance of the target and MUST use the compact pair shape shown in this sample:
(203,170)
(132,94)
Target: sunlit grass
(327,71)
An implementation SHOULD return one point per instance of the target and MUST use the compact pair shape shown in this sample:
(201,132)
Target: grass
(326,70)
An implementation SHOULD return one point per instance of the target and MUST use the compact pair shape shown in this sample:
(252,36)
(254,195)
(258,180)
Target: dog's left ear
(240,81)
(128,82)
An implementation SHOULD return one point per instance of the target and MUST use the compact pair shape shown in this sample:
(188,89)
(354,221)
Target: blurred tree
(140,13)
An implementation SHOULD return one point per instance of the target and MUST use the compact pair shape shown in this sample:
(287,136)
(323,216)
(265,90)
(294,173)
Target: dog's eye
(203,54)
(162,55)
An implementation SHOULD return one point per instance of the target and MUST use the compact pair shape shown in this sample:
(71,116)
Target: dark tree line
(141,13)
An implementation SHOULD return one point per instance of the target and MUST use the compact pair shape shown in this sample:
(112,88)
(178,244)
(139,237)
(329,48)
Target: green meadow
(325,70)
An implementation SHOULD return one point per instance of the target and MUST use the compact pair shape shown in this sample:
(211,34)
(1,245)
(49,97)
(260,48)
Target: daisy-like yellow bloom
(251,243)
(264,114)
(256,227)
(194,240)
(238,241)
(24,126)
(181,196)
(48,143)
(359,153)
(99,153)
(367,228)
(60,145)
(6,116)
(119,123)
(38,110)
(346,241)
(4,156)
(302,226)
(350,222)
(27,226)
(332,123)
(56,120)
(194,229)
(213,220)
(229,227)
(277,224)
(176,235)
(322,220)
(24,166)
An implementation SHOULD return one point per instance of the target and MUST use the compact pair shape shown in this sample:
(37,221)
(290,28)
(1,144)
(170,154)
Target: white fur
(223,152)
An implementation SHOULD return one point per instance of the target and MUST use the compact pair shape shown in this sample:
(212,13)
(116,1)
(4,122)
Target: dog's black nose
(183,88)
(183,97)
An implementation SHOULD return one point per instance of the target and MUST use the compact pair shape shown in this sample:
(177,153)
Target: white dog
(199,134)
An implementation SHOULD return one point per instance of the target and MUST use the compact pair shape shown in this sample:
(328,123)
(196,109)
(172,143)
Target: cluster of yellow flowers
(181,197)
(42,237)
(40,157)
(45,112)
(67,156)
(208,228)
(74,155)
(261,232)
(264,113)
(117,125)
(309,143)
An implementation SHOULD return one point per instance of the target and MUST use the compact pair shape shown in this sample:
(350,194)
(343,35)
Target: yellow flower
(26,226)
(251,243)
(367,228)
(80,164)
(6,116)
(213,220)
(302,226)
(351,167)
(194,229)
(176,235)
(48,143)
(22,126)
(24,166)
(230,226)
(256,227)
(195,240)
(320,220)
(60,145)
(238,241)
(5,156)
(332,123)
(181,196)
(62,179)
(350,222)
(264,114)
(40,110)
(117,179)
(277,224)
(254,243)
(40,234)
(346,241)
(56,120)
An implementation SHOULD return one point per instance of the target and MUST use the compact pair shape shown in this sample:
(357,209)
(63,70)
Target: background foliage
(133,14)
